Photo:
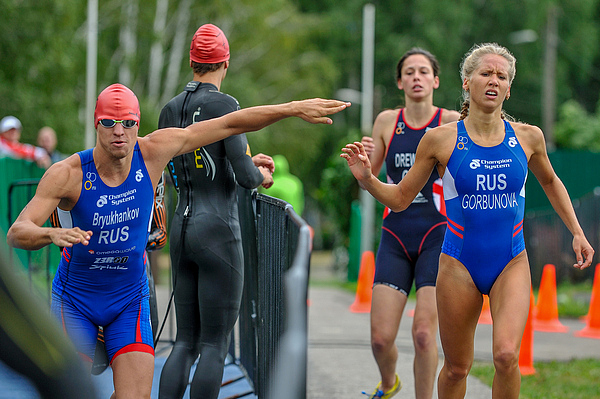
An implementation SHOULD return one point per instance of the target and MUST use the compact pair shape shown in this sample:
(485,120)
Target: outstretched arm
(161,145)
(555,190)
(315,111)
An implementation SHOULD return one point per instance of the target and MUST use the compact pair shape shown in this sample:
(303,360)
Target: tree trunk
(156,52)
(177,50)
(128,40)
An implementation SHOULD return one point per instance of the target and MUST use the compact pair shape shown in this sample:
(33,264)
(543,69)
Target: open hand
(316,110)
(357,159)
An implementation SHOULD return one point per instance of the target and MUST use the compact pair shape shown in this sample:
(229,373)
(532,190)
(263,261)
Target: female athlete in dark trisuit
(205,238)
(411,241)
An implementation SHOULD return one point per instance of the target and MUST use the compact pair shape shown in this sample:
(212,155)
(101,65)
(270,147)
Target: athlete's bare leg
(387,305)
(424,330)
(459,306)
(509,304)
(132,375)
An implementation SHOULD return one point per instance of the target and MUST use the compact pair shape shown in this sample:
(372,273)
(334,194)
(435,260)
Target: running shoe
(379,394)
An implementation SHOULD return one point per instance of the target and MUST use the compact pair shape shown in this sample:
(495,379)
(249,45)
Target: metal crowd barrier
(40,264)
(273,317)
(549,241)
(288,375)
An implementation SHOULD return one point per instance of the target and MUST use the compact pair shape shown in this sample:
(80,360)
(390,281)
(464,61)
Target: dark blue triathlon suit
(205,243)
(411,240)
(104,283)
(484,188)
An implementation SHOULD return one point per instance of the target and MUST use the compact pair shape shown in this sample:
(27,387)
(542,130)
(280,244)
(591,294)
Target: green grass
(573,299)
(575,379)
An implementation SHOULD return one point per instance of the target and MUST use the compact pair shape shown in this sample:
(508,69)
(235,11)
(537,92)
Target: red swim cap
(209,45)
(117,102)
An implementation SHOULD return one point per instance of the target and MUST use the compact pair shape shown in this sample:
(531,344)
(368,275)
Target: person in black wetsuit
(206,244)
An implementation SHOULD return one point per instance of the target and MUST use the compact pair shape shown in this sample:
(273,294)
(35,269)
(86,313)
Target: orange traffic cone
(545,317)
(592,327)
(364,288)
(486,315)
(526,352)
(586,317)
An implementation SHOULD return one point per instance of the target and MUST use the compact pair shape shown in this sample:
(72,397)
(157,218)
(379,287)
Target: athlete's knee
(506,359)
(186,349)
(213,347)
(424,336)
(455,372)
(381,341)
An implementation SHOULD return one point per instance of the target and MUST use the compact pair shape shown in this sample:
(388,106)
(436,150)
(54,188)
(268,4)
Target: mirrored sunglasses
(127,123)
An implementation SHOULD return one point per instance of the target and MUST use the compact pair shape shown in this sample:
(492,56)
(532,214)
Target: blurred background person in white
(10,145)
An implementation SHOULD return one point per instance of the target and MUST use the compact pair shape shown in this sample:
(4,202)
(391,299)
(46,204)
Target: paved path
(341,364)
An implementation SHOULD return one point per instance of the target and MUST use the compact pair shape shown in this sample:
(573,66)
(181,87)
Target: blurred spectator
(33,344)
(10,146)
(47,140)
(286,186)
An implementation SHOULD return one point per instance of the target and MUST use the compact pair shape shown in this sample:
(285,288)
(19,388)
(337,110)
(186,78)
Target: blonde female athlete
(484,162)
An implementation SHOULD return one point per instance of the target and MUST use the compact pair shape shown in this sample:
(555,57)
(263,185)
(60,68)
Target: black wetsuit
(205,243)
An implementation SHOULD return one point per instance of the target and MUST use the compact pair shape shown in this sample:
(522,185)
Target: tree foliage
(42,68)
(578,129)
(44,58)
(449,31)
(284,50)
